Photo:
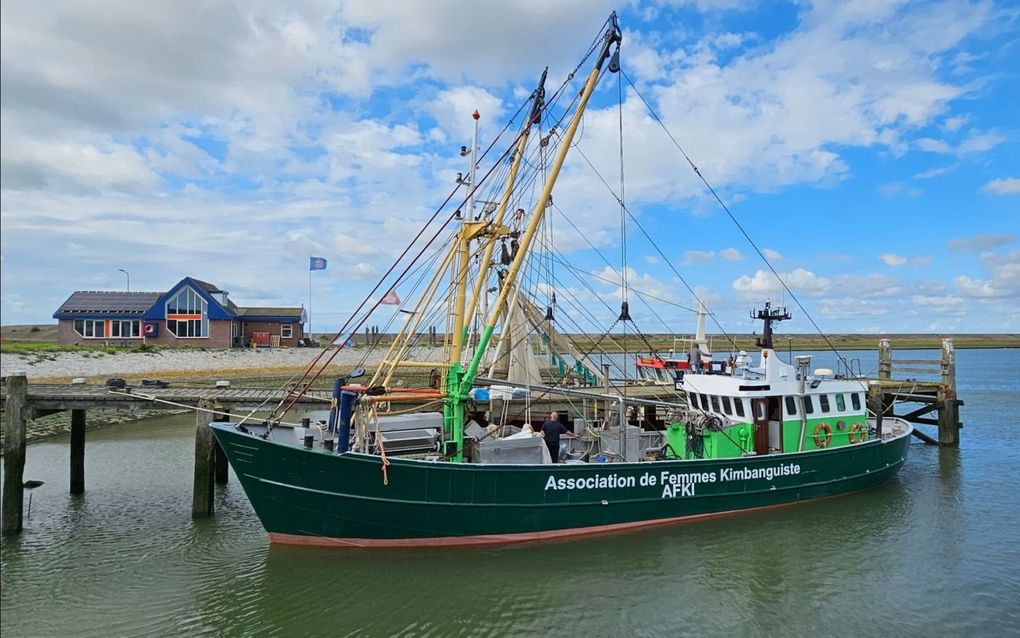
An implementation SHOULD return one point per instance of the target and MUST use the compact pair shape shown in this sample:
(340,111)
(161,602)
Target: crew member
(551,432)
(694,359)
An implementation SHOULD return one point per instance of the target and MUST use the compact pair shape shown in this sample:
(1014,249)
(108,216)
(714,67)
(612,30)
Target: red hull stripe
(496,539)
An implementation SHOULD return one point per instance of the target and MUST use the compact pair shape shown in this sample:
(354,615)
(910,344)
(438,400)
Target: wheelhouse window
(738,405)
(809,405)
(704,402)
(727,407)
(823,400)
(187,315)
(715,404)
(840,402)
(791,406)
(286,331)
(855,400)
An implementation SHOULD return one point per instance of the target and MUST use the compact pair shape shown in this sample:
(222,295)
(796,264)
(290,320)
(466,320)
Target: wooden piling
(205,462)
(77,451)
(884,359)
(949,411)
(222,475)
(16,409)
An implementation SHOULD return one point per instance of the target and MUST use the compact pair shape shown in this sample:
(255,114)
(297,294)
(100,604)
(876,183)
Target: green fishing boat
(384,471)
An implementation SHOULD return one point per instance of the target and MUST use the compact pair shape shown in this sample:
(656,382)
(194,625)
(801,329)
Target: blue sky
(871,148)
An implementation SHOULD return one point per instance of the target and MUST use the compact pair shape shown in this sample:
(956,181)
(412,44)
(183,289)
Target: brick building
(192,313)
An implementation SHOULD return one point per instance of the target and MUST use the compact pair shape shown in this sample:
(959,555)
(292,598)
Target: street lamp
(128,275)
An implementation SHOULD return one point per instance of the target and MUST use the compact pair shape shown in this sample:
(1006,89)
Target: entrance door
(775,427)
(759,412)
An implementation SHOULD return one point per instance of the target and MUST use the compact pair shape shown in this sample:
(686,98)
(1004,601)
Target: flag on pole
(316,263)
(390,298)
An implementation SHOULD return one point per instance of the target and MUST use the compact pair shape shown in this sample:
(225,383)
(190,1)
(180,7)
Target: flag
(390,298)
(316,263)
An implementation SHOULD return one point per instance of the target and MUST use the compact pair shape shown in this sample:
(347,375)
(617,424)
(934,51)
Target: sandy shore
(62,366)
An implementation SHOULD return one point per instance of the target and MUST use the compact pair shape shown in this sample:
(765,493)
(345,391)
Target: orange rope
(382,449)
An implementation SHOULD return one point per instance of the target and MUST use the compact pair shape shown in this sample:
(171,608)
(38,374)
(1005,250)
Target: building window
(791,406)
(840,403)
(126,329)
(855,400)
(187,315)
(286,331)
(90,328)
(823,399)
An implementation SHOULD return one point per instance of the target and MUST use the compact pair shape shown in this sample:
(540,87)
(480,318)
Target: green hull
(313,497)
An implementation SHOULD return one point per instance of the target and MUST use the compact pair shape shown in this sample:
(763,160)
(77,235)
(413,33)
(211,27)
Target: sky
(870,149)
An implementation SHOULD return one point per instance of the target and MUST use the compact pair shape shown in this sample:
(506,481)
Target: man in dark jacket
(551,432)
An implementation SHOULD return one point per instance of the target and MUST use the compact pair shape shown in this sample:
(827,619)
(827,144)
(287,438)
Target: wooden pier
(23,402)
(929,384)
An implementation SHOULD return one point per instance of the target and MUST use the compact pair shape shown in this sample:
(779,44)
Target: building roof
(100,304)
(248,313)
(205,285)
(96,302)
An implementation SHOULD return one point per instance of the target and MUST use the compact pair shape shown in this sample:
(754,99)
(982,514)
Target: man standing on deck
(694,359)
(551,432)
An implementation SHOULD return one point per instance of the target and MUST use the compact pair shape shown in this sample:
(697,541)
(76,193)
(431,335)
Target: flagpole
(309,332)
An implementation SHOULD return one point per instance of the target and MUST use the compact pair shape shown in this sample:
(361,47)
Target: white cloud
(650,259)
(978,287)
(772,255)
(731,254)
(1004,186)
(941,303)
(891,259)
(692,257)
(764,282)
(981,242)
(894,260)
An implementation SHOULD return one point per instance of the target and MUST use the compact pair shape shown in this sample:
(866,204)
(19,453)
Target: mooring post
(16,409)
(205,461)
(77,451)
(877,406)
(222,466)
(884,359)
(949,416)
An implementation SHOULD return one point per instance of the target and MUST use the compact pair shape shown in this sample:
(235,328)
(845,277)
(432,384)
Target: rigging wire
(733,218)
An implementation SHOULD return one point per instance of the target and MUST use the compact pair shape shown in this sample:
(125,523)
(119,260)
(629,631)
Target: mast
(460,380)
(481,290)
(769,315)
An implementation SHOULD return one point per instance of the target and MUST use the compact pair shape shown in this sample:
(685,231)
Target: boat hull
(312,497)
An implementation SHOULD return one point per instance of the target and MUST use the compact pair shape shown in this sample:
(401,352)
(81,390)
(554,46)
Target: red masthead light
(475,114)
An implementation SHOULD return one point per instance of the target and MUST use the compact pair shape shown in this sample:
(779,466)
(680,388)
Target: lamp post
(128,275)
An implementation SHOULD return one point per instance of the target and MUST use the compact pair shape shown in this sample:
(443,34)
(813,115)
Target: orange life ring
(858,433)
(823,441)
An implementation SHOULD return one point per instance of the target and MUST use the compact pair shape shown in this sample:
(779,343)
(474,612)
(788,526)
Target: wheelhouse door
(760,414)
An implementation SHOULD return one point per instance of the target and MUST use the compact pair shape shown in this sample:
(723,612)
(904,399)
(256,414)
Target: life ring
(858,433)
(820,439)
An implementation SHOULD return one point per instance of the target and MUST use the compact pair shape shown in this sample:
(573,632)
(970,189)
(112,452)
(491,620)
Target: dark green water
(934,553)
